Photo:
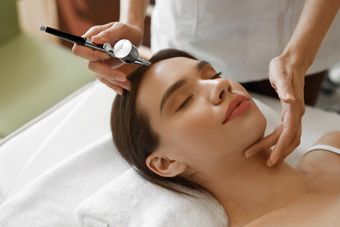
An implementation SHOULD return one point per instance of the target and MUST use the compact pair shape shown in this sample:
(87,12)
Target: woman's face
(187,103)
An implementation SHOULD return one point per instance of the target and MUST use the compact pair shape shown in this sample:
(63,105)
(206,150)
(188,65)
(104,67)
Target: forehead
(169,70)
(159,77)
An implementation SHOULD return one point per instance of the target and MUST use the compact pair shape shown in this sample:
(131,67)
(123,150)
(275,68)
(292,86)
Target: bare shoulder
(330,138)
(323,165)
(311,210)
(317,160)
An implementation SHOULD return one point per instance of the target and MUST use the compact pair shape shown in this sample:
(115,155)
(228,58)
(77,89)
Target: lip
(239,104)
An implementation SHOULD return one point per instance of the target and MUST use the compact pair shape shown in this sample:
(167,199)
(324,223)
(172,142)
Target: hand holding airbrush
(113,50)
(123,49)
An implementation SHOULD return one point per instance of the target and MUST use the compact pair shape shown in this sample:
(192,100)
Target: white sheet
(88,124)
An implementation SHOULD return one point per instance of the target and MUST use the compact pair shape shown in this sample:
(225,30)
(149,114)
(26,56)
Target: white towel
(1,198)
(132,201)
(50,200)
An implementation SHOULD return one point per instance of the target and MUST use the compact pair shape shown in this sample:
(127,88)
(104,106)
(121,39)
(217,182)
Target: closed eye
(185,103)
(217,75)
(188,99)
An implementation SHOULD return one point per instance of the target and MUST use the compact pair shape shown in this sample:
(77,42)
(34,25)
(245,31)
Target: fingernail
(270,163)
(94,39)
(248,154)
(121,78)
(120,92)
(127,87)
(289,96)
(275,158)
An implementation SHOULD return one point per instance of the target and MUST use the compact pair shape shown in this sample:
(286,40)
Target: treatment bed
(47,149)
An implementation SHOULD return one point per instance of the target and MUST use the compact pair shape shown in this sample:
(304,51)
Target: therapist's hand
(287,72)
(287,78)
(102,64)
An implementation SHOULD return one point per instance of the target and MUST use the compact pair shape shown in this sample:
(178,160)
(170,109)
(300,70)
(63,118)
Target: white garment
(323,147)
(237,37)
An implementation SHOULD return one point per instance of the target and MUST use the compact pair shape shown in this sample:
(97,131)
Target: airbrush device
(123,49)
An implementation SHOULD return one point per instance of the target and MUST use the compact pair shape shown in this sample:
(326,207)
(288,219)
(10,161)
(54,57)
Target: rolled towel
(131,201)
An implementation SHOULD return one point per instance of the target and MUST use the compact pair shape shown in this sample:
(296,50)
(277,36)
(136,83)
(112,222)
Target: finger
(281,157)
(295,143)
(289,132)
(123,84)
(116,32)
(263,144)
(284,90)
(281,80)
(114,87)
(112,34)
(88,53)
(96,29)
(113,62)
(107,71)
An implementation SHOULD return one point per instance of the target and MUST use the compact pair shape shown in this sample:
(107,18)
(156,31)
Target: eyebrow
(179,83)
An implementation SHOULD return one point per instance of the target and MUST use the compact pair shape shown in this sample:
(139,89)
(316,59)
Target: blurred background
(38,72)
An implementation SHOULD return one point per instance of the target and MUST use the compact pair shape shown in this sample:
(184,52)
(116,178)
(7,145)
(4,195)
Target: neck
(249,189)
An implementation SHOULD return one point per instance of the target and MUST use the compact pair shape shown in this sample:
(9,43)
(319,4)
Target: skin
(195,144)
(286,71)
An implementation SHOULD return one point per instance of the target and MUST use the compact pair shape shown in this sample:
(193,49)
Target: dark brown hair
(132,133)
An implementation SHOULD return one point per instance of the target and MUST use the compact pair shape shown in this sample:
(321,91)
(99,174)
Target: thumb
(285,91)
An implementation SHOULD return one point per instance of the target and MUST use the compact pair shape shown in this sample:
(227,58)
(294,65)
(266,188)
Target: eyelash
(186,101)
(217,75)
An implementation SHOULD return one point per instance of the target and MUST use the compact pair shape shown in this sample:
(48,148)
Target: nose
(221,88)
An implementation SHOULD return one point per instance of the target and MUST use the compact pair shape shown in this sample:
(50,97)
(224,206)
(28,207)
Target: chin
(258,125)
(261,126)
(252,127)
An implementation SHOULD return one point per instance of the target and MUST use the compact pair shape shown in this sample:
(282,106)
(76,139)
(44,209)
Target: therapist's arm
(314,22)
(287,72)
(130,26)
(133,12)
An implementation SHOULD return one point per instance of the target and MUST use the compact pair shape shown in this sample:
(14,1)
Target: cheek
(196,129)
(200,137)
(195,124)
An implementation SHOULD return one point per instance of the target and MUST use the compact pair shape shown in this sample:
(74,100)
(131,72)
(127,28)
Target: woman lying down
(183,124)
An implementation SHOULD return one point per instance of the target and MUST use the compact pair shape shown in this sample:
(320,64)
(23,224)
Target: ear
(163,166)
